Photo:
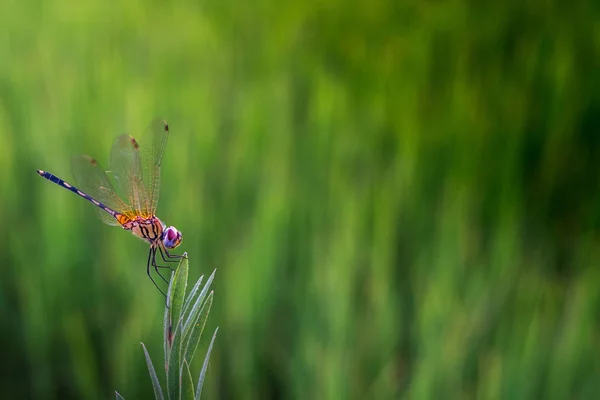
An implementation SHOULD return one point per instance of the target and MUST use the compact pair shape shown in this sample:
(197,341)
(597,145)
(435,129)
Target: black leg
(151,261)
(169,255)
(163,256)
(156,266)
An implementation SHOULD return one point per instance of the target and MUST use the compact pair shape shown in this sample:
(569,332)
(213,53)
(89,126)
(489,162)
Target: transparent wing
(91,179)
(152,145)
(127,174)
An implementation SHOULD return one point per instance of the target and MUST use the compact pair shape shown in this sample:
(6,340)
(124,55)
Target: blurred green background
(400,197)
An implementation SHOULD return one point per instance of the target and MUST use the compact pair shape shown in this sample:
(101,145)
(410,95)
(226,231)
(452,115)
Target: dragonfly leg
(169,255)
(151,261)
(156,266)
(163,255)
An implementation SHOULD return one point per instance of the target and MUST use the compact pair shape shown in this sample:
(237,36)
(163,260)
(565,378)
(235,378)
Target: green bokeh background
(400,198)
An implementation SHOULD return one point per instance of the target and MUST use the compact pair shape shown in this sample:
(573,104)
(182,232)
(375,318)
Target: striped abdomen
(53,178)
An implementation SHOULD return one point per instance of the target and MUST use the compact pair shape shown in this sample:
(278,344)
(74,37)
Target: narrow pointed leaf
(174,364)
(118,396)
(167,322)
(190,297)
(199,301)
(192,338)
(155,383)
(205,366)
(187,385)
(178,291)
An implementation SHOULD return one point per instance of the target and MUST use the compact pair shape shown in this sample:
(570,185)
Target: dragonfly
(127,193)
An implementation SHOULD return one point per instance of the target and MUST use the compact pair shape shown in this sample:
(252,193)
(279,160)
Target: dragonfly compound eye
(172,238)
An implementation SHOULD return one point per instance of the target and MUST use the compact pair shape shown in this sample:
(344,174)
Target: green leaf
(192,338)
(174,365)
(184,321)
(179,283)
(205,366)
(167,329)
(189,317)
(187,385)
(191,295)
(155,383)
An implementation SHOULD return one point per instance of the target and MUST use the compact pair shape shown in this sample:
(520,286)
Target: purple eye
(172,238)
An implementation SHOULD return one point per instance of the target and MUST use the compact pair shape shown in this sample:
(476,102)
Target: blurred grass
(401,197)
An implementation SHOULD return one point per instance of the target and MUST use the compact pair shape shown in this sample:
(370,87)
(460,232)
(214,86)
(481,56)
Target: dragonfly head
(172,237)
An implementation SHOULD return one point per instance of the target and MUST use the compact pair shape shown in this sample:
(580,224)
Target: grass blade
(179,283)
(167,323)
(187,385)
(192,338)
(174,364)
(155,383)
(191,295)
(205,366)
(199,301)
(181,339)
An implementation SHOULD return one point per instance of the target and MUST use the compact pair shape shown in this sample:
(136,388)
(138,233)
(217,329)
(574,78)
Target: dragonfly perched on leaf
(127,194)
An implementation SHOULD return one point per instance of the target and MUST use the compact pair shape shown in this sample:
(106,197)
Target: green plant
(185,318)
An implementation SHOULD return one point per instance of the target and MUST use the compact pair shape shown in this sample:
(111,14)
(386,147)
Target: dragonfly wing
(152,144)
(91,179)
(106,218)
(127,174)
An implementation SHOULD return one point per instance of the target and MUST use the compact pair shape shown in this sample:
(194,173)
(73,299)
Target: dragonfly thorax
(149,229)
